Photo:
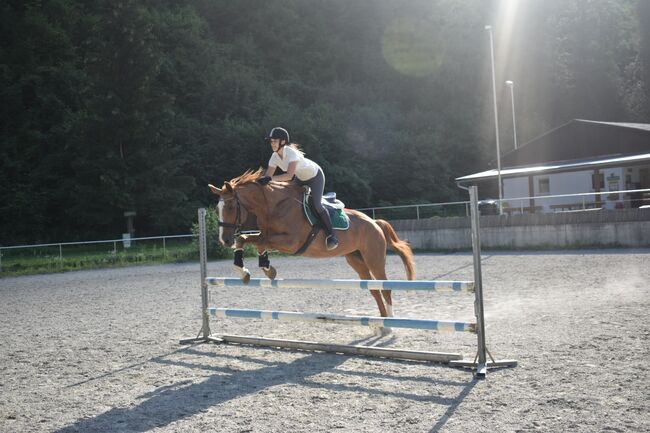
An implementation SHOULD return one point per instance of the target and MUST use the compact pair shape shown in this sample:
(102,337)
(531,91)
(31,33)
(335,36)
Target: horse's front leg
(265,263)
(238,264)
(278,242)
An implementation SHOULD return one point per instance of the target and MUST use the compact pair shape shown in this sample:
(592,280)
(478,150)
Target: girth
(310,238)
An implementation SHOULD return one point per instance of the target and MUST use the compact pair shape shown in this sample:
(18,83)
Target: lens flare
(410,46)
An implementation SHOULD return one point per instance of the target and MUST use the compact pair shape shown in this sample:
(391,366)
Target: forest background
(114,106)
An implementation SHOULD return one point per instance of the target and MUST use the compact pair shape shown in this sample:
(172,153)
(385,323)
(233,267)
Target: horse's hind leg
(375,261)
(356,261)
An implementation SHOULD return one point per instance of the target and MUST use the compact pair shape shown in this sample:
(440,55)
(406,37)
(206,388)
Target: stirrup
(331,242)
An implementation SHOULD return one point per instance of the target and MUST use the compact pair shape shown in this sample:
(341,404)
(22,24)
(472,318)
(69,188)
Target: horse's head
(235,207)
(230,213)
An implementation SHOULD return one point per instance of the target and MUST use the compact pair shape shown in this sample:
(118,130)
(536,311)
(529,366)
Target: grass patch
(75,257)
(41,260)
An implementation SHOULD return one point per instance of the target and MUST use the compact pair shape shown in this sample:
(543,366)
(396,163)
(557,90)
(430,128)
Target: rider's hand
(264,180)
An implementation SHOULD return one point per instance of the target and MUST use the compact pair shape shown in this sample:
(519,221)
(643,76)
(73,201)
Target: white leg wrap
(243,272)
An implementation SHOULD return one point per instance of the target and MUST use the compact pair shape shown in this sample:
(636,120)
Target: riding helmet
(278,132)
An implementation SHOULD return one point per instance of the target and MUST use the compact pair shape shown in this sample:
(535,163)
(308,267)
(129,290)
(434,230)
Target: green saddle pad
(340,221)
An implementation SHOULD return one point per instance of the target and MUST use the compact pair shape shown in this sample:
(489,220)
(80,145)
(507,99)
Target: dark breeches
(317,185)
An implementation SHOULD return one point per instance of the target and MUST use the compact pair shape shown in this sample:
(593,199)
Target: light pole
(512,98)
(496,119)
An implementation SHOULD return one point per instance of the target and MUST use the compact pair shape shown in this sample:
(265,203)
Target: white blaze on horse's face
(228,215)
(220,207)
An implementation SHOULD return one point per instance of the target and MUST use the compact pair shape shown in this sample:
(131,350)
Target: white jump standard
(480,362)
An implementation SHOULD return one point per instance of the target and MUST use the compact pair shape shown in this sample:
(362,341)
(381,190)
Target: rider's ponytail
(297,148)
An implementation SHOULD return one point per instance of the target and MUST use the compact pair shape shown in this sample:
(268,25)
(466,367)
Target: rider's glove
(264,180)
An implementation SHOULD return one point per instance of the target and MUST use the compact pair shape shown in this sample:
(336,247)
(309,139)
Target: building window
(544,186)
(598,181)
(644,178)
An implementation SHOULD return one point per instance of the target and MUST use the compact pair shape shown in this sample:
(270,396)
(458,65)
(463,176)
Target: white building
(579,157)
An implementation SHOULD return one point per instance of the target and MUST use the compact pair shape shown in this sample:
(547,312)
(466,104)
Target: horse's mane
(249,176)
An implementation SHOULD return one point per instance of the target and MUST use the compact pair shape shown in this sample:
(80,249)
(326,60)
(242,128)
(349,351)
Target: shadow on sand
(171,403)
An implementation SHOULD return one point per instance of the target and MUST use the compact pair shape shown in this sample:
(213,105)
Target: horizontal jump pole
(386,322)
(299,283)
(381,352)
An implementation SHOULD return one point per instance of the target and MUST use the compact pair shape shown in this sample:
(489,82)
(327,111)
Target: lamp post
(496,119)
(512,98)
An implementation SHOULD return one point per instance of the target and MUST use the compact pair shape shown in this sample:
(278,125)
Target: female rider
(292,161)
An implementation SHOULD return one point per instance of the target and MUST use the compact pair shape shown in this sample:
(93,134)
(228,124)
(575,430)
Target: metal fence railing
(632,198)
(625,199)
(545,203)
(60,250)
(419,211)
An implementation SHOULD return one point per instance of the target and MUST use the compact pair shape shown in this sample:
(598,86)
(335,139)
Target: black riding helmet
(278,132)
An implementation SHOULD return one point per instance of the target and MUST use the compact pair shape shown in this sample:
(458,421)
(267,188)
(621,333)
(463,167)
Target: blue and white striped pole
(386,322)
(298,283)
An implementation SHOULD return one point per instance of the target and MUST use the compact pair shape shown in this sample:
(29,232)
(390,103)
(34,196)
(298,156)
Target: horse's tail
(400,247)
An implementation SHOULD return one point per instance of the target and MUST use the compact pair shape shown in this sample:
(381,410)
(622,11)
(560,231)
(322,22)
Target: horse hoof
(382,332)
(244,274)
(270,272)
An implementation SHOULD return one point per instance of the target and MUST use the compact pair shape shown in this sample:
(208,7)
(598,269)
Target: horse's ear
(228,187)
(214,189)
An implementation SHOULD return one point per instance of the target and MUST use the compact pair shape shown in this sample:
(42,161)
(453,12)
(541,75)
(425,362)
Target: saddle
(332,205)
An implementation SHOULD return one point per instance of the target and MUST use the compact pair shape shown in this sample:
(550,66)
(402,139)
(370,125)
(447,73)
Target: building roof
(641,126)
(577,145)
(560,166)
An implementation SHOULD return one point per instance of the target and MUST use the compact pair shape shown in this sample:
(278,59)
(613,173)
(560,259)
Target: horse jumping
(276,211)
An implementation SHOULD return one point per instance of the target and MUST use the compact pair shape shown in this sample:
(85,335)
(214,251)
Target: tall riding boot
(331,241)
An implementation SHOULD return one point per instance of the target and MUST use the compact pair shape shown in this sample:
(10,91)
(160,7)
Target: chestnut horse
(277,211)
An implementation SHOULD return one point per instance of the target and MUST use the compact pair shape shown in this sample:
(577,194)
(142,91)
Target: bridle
(237,225)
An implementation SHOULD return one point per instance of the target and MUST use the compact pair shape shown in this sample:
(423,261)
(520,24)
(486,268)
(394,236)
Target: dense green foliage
(136,105)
